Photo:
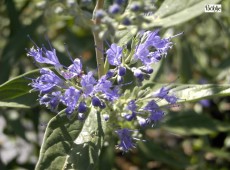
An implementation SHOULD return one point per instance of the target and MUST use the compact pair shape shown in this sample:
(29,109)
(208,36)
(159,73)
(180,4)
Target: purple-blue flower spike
(87,83)
(126,140)
(74,69)
(162,93)
(70,99)
(42,55)
(47,81)
(114,54)
(51,100)
(171,99)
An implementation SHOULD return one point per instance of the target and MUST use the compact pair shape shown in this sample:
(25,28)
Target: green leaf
(193,92)
(17,86)
(13,104)
(71,143)
(124,36)
(174,12)
(26,101)
(193,124)
(197,92)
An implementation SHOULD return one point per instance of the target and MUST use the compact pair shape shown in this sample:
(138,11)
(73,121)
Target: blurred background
(192,136)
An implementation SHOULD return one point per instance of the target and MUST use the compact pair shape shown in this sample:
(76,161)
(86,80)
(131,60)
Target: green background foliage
(191,136)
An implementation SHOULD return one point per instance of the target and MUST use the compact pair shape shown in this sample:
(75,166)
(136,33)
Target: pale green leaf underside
(197,92)
(170,13)
(71,144)
(174,12)
(15,92)
(13,104)
(194,92)
(18,86)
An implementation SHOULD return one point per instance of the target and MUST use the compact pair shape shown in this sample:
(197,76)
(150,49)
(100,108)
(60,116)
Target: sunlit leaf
(18,86)
(193,92)
(174,12)
(71,143)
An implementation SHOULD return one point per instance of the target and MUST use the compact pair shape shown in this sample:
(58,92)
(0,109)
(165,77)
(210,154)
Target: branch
(97,40)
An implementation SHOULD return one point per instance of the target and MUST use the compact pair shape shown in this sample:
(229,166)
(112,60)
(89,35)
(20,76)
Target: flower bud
(96,101)
(114,9)
(109,74)
(135,7)
(102,105)
(100,13)
(81,116)
(119,2)
(106,117)
(129,117)
(120,79)
(126,21)
(82,107)
(147,70)
(121,71)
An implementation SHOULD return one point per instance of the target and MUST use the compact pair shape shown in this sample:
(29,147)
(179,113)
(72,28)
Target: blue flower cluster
(78,91)
(69,85)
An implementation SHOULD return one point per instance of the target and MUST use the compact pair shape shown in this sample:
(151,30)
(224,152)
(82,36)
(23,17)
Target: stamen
(47,39)
(177,35)
(66,49)
(32,40)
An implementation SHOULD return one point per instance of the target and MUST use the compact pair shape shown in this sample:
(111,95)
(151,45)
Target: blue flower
(42,55)
(47,81)
(104,87)
(171,99)
(205,103)
(70,99)
(114,54)
(162,92)
(147,69)
(156,115)
(162,45)
(135,6)
(132,106)
(151,106)
(82,108)
(126,140)
(73,70)
(137,72)
(120,79)
(106,117)
(121,71)
(87,83)
(126,21)
(51,100)
(109,74)
(142,53)
(119,2)
(114,9)
(96,101)
(100,13)
(155,56)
